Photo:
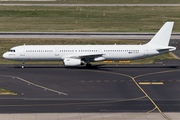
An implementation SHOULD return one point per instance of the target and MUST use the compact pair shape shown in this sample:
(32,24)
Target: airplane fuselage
(59,52)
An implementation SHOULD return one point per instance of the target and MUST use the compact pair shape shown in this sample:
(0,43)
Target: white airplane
(75,55)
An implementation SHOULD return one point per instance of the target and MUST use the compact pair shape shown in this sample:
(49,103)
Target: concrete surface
(84,35)
(91,116)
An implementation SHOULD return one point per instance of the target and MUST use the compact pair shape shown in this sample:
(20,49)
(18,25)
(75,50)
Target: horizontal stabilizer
(170,48)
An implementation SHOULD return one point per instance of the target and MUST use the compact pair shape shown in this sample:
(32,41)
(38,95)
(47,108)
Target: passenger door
(145,50)
(22,51)
(56,51)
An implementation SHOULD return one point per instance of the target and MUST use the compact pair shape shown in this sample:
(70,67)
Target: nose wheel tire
(22,65)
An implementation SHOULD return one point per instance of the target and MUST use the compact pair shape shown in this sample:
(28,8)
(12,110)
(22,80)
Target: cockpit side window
(11,51)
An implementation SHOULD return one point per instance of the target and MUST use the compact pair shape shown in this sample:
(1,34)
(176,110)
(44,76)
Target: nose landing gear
(22,66)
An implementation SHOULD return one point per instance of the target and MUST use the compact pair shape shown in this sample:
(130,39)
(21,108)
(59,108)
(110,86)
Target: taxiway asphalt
(109,88)
(84,35)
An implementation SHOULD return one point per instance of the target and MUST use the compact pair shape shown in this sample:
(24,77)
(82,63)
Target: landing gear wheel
(22,65)
(88,65)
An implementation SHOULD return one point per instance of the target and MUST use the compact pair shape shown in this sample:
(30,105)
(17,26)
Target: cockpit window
(11,51)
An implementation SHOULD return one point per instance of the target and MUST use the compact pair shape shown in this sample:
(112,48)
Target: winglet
(162,37)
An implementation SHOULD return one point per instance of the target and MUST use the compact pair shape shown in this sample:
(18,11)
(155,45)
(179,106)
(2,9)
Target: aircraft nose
(5,55)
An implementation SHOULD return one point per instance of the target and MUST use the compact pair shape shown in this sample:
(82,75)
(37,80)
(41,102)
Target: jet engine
(72,62)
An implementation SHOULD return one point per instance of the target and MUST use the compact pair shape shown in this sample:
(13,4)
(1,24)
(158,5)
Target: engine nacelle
(72,62)
(99,59)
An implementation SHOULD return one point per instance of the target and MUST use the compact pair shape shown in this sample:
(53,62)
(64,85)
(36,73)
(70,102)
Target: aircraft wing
(90,55)
(85,57)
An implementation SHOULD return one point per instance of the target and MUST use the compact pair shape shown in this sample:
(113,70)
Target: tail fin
(162,37)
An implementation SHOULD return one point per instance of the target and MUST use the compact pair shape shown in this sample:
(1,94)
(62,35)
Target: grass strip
(101,2)
(6,92)
(87,19)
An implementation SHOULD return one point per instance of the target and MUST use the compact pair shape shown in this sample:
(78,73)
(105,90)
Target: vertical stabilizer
(162,37)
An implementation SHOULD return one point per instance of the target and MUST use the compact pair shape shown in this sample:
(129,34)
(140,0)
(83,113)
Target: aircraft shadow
(98,66)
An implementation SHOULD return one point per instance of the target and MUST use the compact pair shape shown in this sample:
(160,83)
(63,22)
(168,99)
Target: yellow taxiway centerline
(151,83)
(157,83)
(144,83)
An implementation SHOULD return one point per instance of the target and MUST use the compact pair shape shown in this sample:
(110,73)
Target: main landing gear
(88,65)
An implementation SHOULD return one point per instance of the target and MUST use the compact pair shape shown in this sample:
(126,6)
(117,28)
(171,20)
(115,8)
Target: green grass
(6,44)
(6,92)
(105,2)
(89,19)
